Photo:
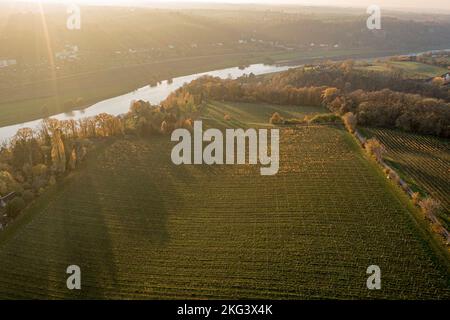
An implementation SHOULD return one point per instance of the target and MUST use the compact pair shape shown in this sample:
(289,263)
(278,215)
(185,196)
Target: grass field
(141,227)
(410,68)
(248,115)
(423,161)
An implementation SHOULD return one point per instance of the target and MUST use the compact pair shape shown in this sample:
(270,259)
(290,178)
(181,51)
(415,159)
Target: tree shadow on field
(126,219)
(87,243)
(151,212)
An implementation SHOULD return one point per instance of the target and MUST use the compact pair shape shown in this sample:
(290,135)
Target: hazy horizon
(442,5)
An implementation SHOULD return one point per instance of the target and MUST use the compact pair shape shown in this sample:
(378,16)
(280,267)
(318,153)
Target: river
(154,94)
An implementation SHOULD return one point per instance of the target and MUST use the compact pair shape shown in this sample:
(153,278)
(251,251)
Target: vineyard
(140,227)
(424,162)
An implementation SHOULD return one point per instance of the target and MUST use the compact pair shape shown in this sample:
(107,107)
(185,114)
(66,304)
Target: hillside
(140,227)
(423,161)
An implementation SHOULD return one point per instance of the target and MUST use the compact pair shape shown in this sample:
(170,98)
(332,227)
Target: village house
(70,52)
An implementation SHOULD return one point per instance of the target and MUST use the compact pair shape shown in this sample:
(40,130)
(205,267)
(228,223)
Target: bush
(375,148)
(15,206)
(39,183)
(438,81)
(415,198)
(8,183)
(394,176)
(294,121)
(438,229)
(28,196)
(188,124)
(326,118)
(276,119)
(350,121)
(52,181)
(164,127)
(39,170)
(430,207)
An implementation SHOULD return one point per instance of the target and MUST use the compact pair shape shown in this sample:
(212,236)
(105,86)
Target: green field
(410,68)
(248,115)
(141,227)
(423,162)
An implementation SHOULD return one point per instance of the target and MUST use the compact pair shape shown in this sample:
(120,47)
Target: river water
(156,94)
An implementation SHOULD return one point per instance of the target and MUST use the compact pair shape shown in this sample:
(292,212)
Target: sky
(444,5)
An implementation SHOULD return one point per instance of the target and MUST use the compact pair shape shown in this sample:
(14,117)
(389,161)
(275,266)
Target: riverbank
(32,101)
(152,93)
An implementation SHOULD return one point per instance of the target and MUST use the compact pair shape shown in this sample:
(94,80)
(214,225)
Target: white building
(7,62)
(70,52)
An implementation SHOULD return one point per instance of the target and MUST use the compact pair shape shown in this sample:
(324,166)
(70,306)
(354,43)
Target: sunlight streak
(50,52)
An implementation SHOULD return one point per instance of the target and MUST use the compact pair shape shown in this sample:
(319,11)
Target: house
(69,53)
(4,200)
(7,62)
(446,77)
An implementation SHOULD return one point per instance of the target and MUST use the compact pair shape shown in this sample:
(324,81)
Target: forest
(381,100)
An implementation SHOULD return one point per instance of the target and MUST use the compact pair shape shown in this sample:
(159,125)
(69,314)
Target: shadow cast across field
(90,247)
(110,217)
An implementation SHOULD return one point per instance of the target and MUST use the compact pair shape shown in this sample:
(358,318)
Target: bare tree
(58,152)
(350,121)
(276,118)
(375,148)
(430,207)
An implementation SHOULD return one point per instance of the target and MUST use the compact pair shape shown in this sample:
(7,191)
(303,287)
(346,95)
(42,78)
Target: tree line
(347,77)
(391,109)
(383,108)
(35,159)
